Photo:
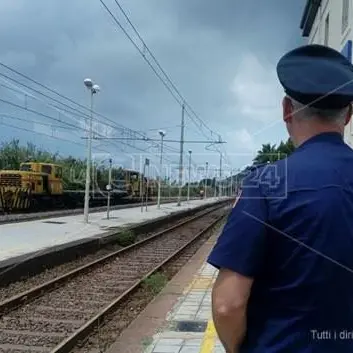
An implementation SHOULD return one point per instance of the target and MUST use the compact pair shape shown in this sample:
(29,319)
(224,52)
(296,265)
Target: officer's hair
(325,115)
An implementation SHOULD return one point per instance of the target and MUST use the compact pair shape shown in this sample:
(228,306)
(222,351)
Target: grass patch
(126,238)
(155,283)
(146,342)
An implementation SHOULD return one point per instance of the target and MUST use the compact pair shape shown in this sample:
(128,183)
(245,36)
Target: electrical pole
(206,181)
(231,183)
(162,134)
(109,186)
(147,163)
(181,153)
(220,175)
(88,166)
(215,183)
(142,188)
(93,89)
(189,175)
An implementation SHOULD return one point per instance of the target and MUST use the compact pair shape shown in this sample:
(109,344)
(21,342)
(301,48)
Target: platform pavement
(18,239)
(190,327)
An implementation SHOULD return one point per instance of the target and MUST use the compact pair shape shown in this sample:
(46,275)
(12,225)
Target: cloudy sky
(221,55)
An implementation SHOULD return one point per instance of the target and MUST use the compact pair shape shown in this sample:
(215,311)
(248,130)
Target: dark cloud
(202,44)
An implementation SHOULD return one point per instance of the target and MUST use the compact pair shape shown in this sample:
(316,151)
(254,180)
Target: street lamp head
(190,151)
(95,89)
(162,133)
(88,83)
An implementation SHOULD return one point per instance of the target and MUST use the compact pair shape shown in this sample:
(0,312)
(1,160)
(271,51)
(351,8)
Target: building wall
(335,35)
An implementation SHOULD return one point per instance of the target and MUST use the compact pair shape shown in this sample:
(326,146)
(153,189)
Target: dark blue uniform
(292,231)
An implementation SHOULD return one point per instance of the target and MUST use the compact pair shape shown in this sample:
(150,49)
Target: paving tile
(195,299)
(179,317)
(198,298)
(166,349)
(206,305)
(202,317)
(170,341)
(189,309)
(195,293)
(190,350)
(193,342)
(205,309)
(207,298)
(186,336)
(190,302)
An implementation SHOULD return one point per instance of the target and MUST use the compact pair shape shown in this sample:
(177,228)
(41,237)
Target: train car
(33,184)
(39,186)
(137,185)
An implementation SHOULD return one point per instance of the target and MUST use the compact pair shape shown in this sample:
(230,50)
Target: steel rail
(84,330)
(35,292)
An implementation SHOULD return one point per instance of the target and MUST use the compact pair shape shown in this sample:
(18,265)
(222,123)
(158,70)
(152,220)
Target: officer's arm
(229,301)
(238,255)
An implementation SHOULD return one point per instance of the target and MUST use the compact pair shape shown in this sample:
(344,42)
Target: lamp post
(109,187)
(93,89)
(162,134)
(189,175)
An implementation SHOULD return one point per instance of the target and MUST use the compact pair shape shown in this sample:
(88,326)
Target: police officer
(285,256)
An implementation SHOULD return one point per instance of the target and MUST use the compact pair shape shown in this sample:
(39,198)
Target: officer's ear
(287,110)
(349,115)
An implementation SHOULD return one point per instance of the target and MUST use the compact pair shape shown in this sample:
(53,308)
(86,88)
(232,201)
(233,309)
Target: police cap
(317,76)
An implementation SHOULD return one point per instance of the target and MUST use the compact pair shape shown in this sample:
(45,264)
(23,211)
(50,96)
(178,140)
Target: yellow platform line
(209,338)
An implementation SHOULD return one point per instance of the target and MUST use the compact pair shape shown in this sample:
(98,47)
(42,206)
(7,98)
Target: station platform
(190,327)
(179,319)
(19,239)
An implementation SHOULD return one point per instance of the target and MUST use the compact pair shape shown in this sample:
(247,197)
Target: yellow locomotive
(40,186)
(137,185)
(32,184)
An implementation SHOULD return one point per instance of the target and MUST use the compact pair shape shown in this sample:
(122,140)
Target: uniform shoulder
(267,178)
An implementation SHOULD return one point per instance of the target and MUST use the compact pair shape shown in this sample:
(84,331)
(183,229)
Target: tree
(271,153)
(268,153)
(285,148)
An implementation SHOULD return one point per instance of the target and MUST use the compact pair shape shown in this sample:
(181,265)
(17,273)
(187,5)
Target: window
(46,169)
(327,30)
(58,172)
(345,10)
(26,167)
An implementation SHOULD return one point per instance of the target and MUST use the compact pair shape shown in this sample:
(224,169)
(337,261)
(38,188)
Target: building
(330,22)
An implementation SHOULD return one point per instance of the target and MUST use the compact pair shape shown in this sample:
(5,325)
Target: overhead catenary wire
(162,70)
(177,95)
(44,134)
(76,112)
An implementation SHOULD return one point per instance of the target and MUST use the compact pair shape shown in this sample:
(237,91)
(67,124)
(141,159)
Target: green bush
(156,282)
(126,238)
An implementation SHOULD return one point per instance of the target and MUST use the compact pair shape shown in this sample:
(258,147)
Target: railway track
(56,315)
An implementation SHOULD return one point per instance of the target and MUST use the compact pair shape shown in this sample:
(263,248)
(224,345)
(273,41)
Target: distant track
(23,217)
